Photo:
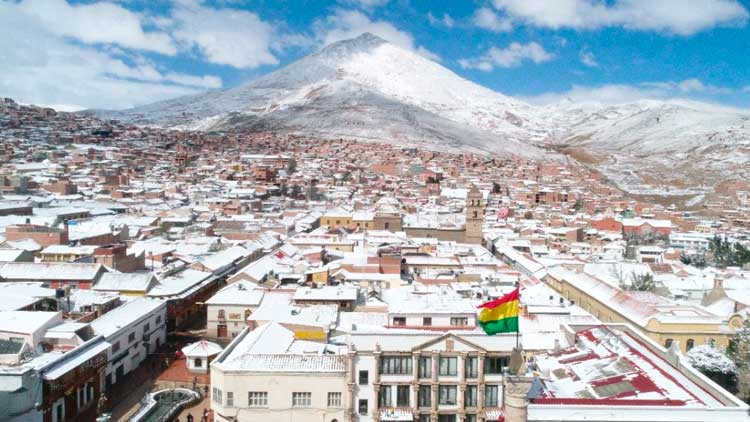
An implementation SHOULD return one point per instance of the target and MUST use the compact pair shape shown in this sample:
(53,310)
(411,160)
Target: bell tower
(474,216)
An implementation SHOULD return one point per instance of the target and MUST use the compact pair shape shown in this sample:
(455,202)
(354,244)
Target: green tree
(714,364)
(640,282)
(739,352)
(291,166)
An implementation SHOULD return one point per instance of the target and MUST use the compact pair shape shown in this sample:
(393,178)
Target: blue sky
(98,54)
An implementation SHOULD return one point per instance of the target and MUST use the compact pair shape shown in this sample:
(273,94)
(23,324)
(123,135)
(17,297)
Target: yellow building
(659,318)
(65,253)
(336,217)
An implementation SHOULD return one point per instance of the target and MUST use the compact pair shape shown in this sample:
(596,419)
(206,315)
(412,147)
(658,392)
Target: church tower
(474,216)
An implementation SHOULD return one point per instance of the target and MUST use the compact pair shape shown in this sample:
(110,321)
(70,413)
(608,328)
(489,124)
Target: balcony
(396,414)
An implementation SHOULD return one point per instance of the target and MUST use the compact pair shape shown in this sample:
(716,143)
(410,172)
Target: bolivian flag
(500,315)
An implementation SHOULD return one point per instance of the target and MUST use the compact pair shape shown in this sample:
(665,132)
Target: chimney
(719,282)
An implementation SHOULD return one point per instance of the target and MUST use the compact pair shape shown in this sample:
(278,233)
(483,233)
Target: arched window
(221,314)
(198,362)
(689,344)
(387,225)
(668,342)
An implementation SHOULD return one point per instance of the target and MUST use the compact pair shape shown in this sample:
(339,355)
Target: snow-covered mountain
(676,148)
(370,89)
(364,88)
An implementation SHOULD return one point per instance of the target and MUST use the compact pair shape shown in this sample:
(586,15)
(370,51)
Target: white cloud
(446,20)
(623,93)
(102,22)
(346,24)
(679,17)
(225,36)
(40,66)
(486,18)
(689,86)
(511,56)
(588,58)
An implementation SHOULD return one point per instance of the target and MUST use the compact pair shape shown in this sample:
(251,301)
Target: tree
(726,253)
(714,364)
(291,166)
(709,359)
(739,352)
(296,191)
(696,260)
(641,282)
(39,156)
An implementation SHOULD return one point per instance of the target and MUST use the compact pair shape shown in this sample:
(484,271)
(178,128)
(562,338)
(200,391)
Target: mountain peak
(362,43)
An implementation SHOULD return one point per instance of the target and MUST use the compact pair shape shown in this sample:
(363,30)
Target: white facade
(227,311)
(256,379)
(425,376)
(134,330)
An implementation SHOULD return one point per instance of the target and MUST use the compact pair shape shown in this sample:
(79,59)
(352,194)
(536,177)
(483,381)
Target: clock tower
(474,216)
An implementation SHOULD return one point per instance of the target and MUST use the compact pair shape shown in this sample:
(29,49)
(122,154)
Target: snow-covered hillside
(370,89)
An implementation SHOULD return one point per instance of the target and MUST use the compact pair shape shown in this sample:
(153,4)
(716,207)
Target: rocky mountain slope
(367,88)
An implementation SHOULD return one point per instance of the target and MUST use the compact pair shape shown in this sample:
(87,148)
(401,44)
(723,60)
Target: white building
(228,310)
(267,375)
(425,376)
(133,329)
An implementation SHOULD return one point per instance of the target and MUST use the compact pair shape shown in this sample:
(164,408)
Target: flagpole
(518,332)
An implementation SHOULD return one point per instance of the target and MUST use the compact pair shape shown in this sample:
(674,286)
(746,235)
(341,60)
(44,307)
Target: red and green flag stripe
(500,315)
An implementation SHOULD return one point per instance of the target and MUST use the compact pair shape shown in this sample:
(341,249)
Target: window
(446,418)
(490,395)
(399,321)
(495,364)
(303,399)
(425,367)
(668,343)
(471,367)
(334,399)
(470,418)
(115,347)
(158,319)
(257,399)
(424,396)
(384,398)
(470,396)
(427,321)
(222,315)
(447,395)
(364,377)
(689,344)
(81,397)
(395,365)
(217,395)
(230,399)
(198,363)
(459,322)
(425,417)
(362,407)
(402,396)
(448,367)
(147,328)
(131,337)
